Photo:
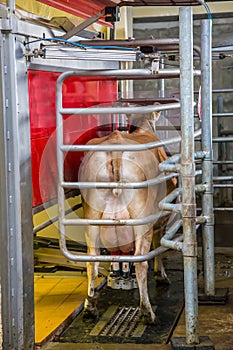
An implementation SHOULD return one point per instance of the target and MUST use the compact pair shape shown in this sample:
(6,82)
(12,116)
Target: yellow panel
(75,233)
(55,300)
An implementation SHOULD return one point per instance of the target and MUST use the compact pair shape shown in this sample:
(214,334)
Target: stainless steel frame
(187,170)
(16,249)
(207,163)
(61,148)
(188,176)
(16,254)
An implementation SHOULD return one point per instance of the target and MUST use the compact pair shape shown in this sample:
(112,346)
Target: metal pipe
(160,44)
(137,147)
(222,114)
(143,184)
(219,209)
(223,185)
(223,139)
(217,91)
(223,178)
(223,209)
(11,5)
(60,149)
(228,162)
(120,258)
(218,115)
(171,196)
(170,207)
(188,175)
(128,110)
(220,139)
(114,222)
(207,163)
(170,164)
(166,239)
(165,204)
(125,73)
(169,167)
(141,147)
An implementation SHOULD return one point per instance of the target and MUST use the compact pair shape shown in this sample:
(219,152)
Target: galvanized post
(207,164)
(16,234)
(188,175)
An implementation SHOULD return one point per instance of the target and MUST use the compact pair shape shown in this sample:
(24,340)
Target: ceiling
(85,9)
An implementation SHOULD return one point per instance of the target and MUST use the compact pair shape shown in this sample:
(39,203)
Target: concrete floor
(215,321)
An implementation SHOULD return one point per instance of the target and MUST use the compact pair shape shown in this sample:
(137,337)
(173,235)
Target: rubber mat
(166,299)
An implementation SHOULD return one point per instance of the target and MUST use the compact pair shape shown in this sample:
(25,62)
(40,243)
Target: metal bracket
(189,250)
(5,25)
(179,343)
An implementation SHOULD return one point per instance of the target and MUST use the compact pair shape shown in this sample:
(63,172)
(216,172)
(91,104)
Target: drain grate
(120,322)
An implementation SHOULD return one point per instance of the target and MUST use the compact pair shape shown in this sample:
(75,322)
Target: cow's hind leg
(142,246)
(160,274)
(90,304)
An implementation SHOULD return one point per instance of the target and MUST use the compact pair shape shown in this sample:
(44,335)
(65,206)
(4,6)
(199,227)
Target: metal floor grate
(119,322)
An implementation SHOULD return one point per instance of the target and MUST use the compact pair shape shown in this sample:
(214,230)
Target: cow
(119,203)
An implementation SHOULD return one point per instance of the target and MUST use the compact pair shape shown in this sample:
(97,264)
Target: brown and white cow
(124,166)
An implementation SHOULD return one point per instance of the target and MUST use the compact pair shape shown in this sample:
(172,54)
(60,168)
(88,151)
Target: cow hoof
(161,279)
(148,318)
(90,314)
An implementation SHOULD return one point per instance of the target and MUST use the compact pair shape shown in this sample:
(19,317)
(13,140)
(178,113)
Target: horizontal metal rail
(114,222)
(223,162)
(114,258)
(121,110)
(223,139)
(110,147)
(222,114)
(219,209)
(137,147)
(216,115)
(129,74)
(126,185)
(220,139)
(223,178)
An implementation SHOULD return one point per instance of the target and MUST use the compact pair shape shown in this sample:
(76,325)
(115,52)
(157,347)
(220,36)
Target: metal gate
(185,169)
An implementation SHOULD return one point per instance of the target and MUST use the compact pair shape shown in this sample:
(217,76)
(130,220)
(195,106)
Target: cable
(203,3)
(81,45)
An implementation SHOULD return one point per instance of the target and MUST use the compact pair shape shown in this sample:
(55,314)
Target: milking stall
(116,174)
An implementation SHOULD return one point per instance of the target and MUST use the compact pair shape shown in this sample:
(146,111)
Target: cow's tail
(116,168)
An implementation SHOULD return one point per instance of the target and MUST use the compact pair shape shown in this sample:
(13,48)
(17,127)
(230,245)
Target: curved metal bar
(159,179)
(114,258)
(115,222)
(109,147)
(127,110)
(166,239)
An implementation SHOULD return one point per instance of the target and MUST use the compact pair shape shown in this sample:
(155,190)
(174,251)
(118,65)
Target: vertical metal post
(207,164)
(188,175)
(16,234)
(11,5)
